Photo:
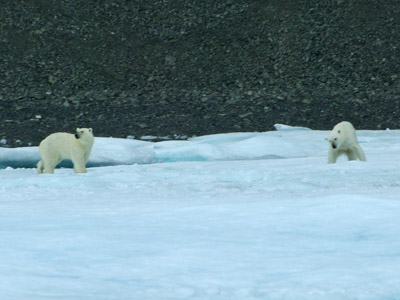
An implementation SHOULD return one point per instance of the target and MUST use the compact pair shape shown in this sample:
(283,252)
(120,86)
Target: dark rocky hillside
(195,67)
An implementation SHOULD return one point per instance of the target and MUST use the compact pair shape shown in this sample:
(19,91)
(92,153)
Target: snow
(227,216)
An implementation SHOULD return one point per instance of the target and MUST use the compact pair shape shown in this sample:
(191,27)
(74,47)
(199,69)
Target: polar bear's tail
(40,167)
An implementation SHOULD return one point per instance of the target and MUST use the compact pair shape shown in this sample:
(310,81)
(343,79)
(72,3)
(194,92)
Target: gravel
(173,68)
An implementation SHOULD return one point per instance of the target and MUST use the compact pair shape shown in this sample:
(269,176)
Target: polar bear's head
(84,133)
(342,135)
(334,138)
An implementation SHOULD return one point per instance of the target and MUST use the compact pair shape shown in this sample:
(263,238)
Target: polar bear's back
(346,126)
(344,132)
(60,142)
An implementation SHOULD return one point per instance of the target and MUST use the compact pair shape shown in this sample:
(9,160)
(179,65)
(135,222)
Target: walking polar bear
(343,140)
(61,145)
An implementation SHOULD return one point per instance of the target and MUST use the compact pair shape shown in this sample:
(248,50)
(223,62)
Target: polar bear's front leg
(332,155)
(78,160)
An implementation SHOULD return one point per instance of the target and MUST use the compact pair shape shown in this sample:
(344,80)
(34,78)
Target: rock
(178,68)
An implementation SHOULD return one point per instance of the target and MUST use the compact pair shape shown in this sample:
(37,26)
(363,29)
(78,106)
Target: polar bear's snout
(333,142)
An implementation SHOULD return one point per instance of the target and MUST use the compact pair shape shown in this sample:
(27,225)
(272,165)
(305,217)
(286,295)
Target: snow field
(234,216)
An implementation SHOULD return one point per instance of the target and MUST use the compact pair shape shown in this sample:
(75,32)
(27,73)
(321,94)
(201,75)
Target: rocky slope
(195,67)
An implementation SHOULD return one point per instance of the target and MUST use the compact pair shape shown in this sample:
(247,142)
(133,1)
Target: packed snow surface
(228,216)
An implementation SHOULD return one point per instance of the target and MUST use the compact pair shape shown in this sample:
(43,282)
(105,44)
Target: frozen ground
(233,216)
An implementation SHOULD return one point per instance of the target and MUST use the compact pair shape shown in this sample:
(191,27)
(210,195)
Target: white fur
(343,140)
(61,145)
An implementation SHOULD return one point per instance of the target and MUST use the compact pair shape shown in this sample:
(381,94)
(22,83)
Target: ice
(283,127)
(229,216)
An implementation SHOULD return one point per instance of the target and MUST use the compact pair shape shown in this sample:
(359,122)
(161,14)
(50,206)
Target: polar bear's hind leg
(49,166)
(359,152)
(40,167)
(351,154)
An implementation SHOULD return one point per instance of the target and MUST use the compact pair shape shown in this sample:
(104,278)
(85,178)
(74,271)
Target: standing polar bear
(61,145)
(343,140)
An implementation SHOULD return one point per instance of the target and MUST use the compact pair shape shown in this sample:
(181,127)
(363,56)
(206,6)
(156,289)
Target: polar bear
(61,145)
(343,140)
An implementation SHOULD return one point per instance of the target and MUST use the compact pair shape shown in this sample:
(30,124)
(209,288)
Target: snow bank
(233,146)
(286,142)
